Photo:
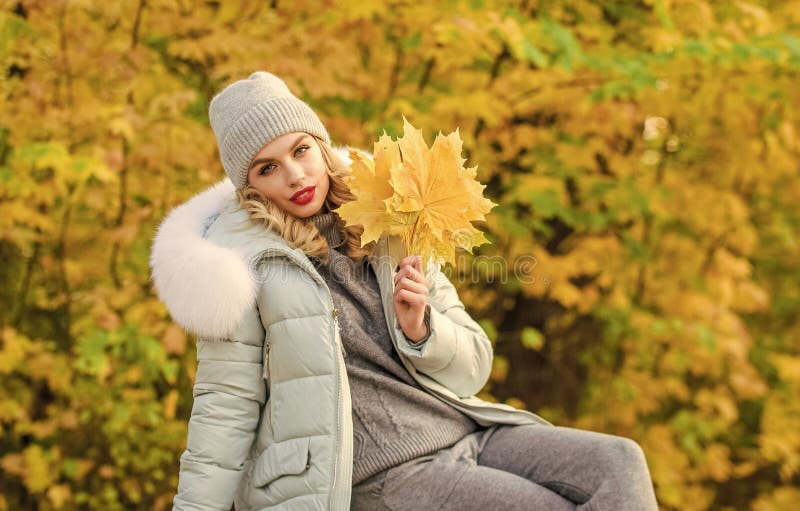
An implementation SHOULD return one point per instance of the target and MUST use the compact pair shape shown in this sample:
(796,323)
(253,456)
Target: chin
(302,212)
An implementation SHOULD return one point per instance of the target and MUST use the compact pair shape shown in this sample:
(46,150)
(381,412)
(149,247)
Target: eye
(266,169)
(304,148)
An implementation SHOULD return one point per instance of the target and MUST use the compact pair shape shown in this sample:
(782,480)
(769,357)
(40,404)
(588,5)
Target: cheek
(327,182)
(319,165)
(319,168)
(265,187)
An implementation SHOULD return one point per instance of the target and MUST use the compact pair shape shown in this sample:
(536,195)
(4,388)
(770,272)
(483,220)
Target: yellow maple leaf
(434,183)
(423,194)
(370,184)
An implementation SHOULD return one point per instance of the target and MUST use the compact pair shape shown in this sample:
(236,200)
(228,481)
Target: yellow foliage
(38,468)
(174,340)
(667,463)
(13,350)
(717,462)
(170,404)
(644,161)
(59,495)
(780,434)
(782,498)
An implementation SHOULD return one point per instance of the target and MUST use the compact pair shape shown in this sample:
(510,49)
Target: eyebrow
(270,160)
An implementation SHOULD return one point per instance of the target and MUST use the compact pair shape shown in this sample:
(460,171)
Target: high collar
(326,223)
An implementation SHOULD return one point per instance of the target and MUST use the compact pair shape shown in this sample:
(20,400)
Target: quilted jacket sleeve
(457,354)
(229,392)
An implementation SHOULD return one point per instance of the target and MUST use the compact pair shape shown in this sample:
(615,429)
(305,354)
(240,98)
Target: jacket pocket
(290,457)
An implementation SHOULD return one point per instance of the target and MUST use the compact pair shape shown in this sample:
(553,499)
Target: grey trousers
(517,468)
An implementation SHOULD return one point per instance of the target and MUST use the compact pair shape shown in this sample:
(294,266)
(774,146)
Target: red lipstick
(304,196)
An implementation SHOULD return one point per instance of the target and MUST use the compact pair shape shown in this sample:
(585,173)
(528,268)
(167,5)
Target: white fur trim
(344,154)
(207,288)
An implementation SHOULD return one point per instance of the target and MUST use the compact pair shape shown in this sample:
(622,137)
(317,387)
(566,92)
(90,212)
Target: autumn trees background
(645,159)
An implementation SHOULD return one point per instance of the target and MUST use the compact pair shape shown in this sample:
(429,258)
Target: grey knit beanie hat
(248,113)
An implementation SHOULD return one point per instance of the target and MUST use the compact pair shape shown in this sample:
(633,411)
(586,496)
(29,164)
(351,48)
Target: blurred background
(645,157)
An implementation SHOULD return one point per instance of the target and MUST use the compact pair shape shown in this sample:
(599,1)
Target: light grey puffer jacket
(271,425)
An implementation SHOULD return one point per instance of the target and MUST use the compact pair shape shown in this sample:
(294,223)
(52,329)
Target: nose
(295,173)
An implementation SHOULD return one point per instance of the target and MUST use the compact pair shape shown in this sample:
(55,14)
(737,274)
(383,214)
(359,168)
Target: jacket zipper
(335,314)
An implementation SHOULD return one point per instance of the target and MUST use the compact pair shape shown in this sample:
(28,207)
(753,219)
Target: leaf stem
(411,239)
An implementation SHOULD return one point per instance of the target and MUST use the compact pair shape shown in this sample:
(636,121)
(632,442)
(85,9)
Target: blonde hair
(302,233)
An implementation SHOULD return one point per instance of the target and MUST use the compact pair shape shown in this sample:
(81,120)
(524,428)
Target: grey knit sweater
(394,418)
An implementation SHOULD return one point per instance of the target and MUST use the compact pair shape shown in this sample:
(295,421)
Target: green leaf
(533,54)
(544,202)
(706,337)
(532,338)
(412,42)
(663,15)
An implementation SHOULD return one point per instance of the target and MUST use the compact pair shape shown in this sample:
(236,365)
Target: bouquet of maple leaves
(425,195)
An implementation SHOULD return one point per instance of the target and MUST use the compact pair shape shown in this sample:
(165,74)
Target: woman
(335,377)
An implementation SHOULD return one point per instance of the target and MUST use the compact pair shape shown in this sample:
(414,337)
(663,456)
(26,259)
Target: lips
(303,196)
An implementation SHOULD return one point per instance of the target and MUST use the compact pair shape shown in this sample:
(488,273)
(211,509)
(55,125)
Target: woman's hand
(410,298)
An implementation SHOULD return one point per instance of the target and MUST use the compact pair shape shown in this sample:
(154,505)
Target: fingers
(416,300)
(408,260)
(410,273)
(410,285)
(414,261)
(418,264)
(410,268)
